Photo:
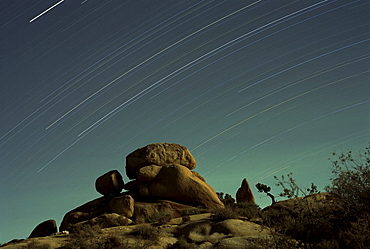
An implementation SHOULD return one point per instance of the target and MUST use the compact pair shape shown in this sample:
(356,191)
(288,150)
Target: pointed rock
(244,193)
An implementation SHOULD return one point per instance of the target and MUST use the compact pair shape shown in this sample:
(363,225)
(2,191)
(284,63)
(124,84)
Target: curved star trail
(253,88)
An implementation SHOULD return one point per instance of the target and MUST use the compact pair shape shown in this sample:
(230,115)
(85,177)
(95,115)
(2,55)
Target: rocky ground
(199,231)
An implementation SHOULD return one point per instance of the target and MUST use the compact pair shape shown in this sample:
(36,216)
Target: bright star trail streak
(254,88)
(42,13)
(272,107)
(145,91)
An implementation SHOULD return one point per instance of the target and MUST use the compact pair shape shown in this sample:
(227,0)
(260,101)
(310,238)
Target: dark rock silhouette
(110,183)
(244,193)
(45,228)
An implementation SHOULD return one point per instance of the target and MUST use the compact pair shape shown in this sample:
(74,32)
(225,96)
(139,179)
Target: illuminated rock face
(162,180)
(178,183)
(160,154)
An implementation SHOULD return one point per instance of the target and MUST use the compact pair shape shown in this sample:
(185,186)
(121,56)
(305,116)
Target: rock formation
(110,183)
(319,202)
(159,154)
(178,183)
(163,182)
(43,229)
(123,205)
(244,193)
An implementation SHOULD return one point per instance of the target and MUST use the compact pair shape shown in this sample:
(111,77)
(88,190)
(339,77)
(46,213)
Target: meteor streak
(33,19)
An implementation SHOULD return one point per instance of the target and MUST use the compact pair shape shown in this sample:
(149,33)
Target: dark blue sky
(252,88)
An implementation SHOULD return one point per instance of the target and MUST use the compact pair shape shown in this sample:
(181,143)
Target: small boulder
(44,229)
(111,183)
(123,205)
(244,193)
(178,183)
(160,154)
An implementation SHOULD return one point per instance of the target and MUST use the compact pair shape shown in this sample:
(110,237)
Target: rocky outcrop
(178,183)
(244,193)
(111,183)
(45,228)
(105,220)
(321,202)
(163,180)
(160,154)
(204,230)
(146,211)
(123,205)
(85,212)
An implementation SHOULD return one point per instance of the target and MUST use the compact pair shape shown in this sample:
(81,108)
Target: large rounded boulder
(178,183)
(160,154)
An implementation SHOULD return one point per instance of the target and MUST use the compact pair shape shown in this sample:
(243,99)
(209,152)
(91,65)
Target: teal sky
(253,88)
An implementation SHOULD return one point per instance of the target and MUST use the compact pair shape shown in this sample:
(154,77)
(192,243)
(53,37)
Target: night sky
(252,88)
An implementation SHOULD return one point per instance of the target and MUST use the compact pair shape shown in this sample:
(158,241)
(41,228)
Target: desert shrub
(351,180)
(146,232)
(111,242)
(36,245)
(278,241)
(221,214)
(351,184)
(226,199)
(85,237)
(191,211)
(248,210)
(162,217)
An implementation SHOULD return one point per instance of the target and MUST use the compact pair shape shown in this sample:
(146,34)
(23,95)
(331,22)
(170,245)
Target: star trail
(253,88)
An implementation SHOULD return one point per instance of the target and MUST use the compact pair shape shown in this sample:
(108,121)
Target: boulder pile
(162,180)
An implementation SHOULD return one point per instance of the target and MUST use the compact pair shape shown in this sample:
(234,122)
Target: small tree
(266,189)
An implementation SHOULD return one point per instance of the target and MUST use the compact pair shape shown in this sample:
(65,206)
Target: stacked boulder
(163,170)
(161,180)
